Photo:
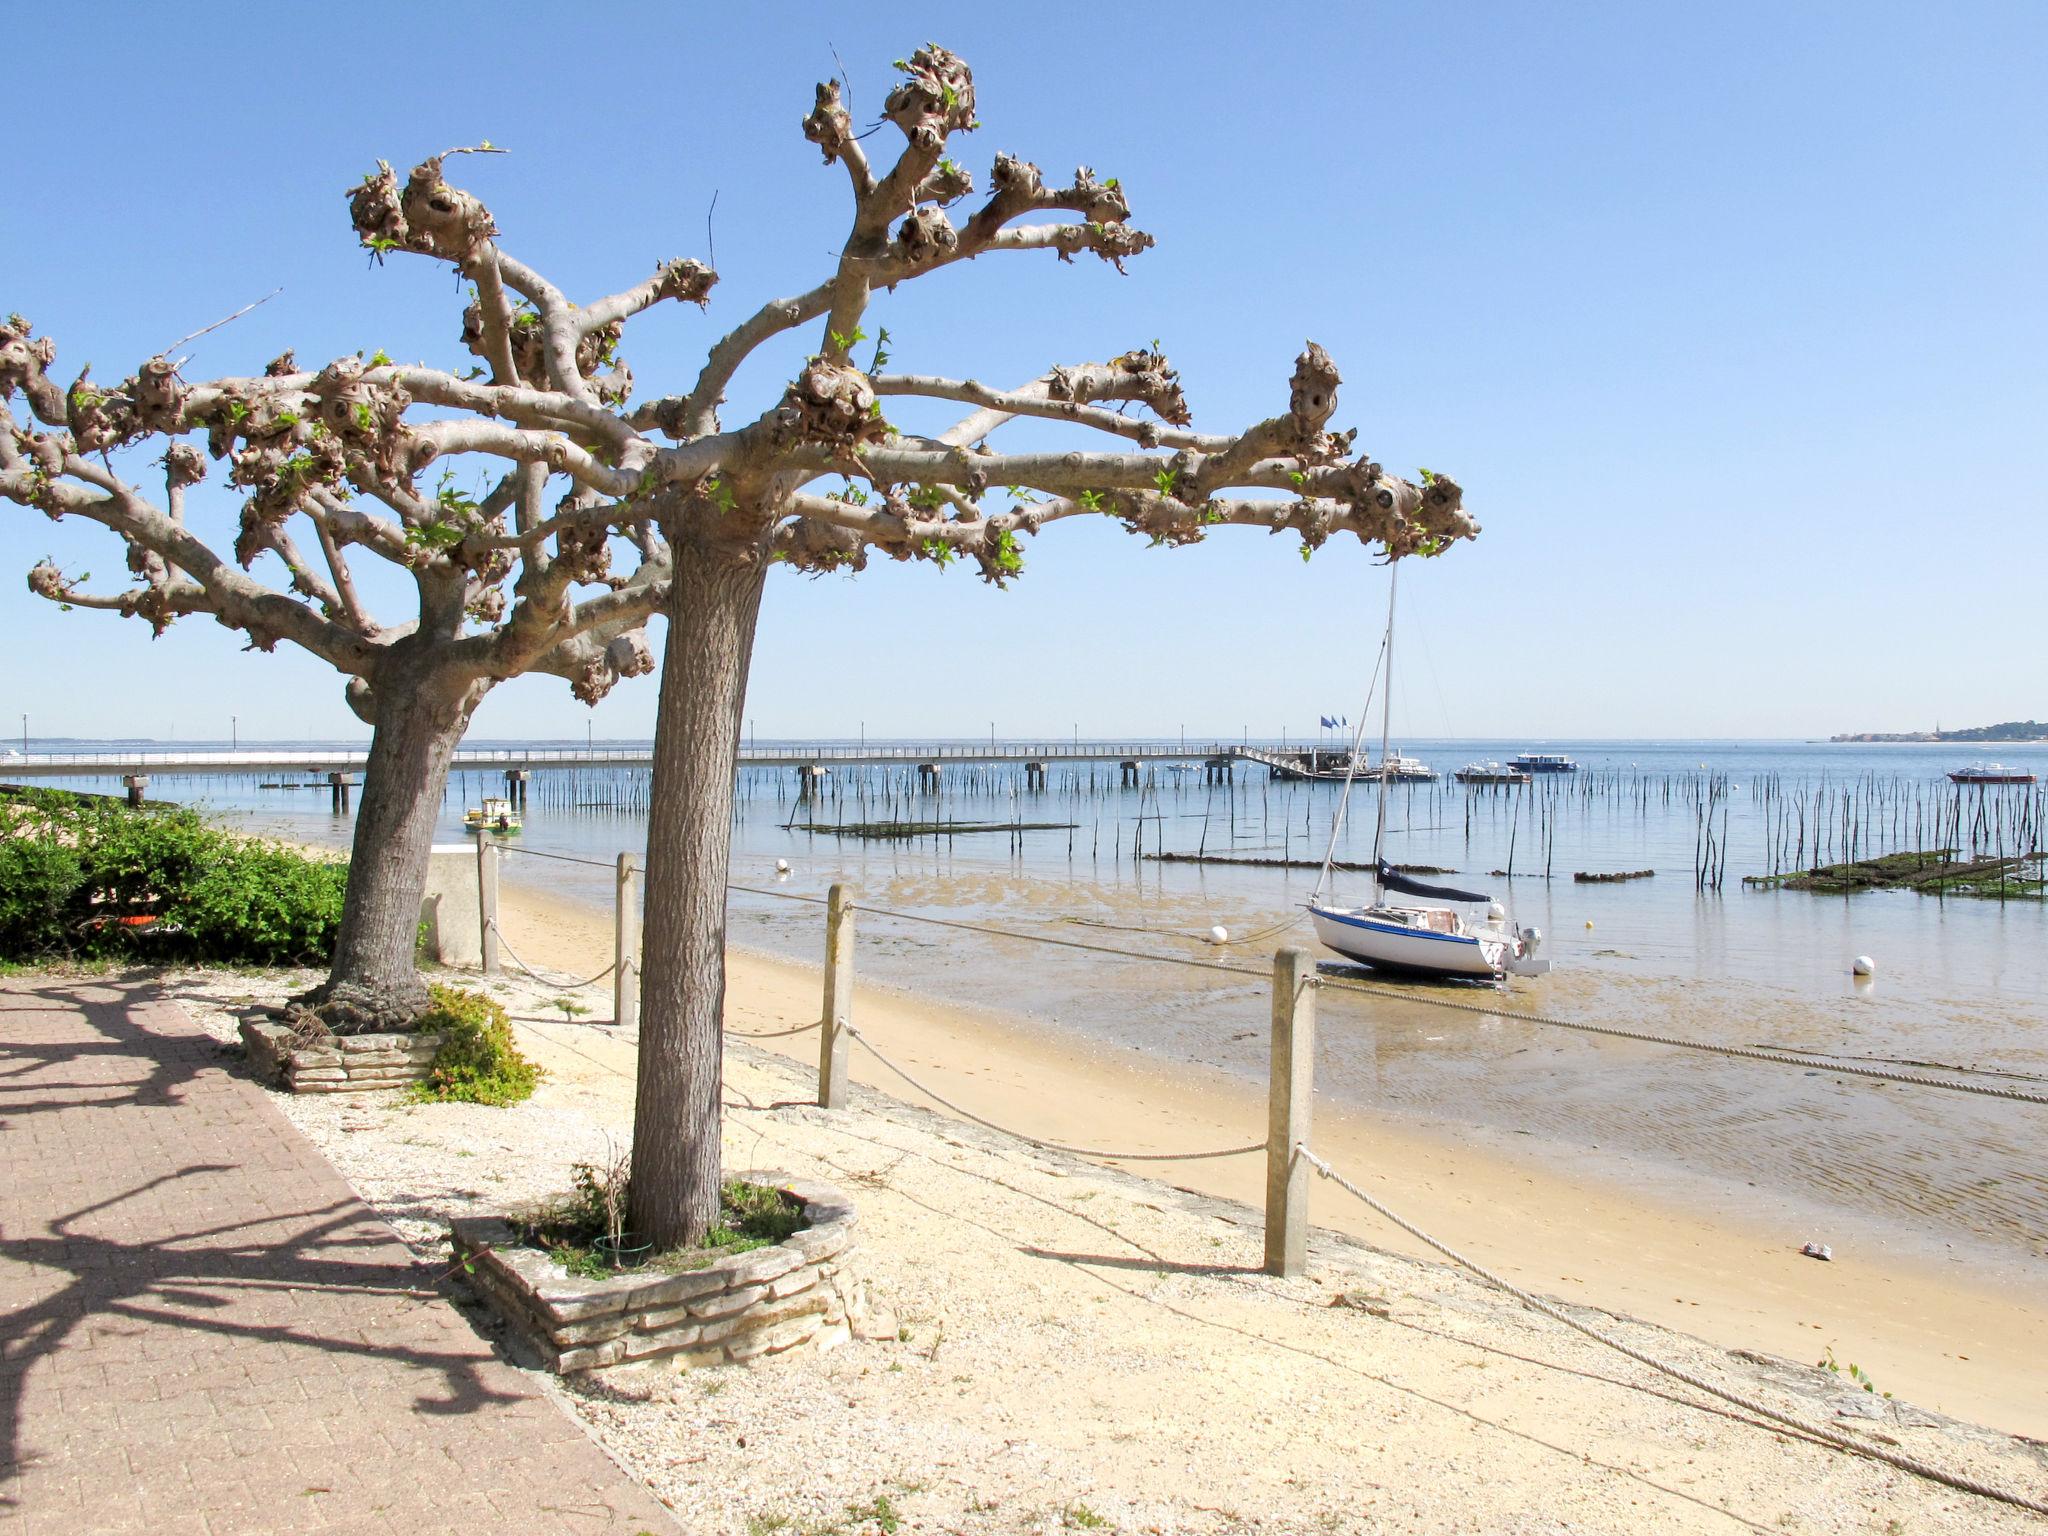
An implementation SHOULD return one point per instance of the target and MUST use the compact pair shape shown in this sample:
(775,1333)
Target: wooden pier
(341,768)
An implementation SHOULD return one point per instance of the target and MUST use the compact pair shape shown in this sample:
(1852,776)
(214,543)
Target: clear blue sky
(1730,319)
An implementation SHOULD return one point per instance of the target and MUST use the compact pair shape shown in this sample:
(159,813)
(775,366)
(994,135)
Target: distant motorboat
(1397,769)
(1543,762)
(1990,773)
(492,816)
(1490,773)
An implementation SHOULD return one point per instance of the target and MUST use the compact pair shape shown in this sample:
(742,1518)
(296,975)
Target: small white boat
(1543,762)
(1403,770)
(1427,935)
(1432,940)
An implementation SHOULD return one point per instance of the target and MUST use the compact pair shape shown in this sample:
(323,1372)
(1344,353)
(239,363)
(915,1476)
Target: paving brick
(210,1328)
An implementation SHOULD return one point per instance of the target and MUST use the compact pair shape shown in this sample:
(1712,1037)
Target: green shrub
(263,905)
(70,865)
(37,883)
(478,1061)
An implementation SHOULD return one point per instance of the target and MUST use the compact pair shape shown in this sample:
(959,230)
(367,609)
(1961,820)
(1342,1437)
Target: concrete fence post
(833,1041)
(1291,1097)
(487,899)
(626,945)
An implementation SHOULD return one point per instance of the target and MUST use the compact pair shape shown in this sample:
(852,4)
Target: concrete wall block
(449,905)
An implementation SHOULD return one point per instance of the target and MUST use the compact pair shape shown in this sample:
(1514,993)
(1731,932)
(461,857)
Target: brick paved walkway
(202,1329)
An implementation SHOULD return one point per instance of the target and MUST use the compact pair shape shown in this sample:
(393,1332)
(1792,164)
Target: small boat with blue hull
(1430,940)
(1426,935)
(1543,762)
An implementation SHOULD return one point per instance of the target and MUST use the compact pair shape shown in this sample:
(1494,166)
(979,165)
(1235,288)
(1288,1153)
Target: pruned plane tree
(712,497)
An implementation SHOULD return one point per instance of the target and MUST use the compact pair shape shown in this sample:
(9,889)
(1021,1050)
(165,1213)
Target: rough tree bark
(374,982)
(714,605)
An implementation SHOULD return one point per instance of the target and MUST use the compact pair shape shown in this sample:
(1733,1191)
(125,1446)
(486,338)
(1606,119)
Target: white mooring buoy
(1863,965)
(1219,935)
(782,866)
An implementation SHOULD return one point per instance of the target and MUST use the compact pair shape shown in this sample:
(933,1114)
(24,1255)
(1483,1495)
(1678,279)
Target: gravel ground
(1082,1349)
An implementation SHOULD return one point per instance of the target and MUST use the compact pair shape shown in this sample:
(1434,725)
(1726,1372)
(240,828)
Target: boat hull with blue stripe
(1415,941)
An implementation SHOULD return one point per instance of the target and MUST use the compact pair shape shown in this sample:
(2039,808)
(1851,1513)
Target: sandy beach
(1925,1332)
(1063,1346)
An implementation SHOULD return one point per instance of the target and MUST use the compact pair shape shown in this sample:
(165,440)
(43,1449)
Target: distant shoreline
(2005,733)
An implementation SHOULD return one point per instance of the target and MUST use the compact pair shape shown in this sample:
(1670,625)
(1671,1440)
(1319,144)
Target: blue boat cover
(1393,880)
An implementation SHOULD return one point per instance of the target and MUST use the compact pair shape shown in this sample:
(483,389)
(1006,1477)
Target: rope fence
(1039,1141)
(1290,1156)
(1824,1433)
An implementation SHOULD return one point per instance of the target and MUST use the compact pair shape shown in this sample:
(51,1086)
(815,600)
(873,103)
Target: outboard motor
(1525,961)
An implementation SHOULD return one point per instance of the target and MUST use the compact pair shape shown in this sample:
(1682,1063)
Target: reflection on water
(1959,982)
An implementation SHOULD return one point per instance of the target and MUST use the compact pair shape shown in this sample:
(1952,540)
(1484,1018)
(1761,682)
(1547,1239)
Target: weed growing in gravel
(1855,1372)
(1084,1517)
(880,1511)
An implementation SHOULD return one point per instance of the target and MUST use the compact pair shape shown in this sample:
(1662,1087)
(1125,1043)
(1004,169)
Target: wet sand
(1931,1333)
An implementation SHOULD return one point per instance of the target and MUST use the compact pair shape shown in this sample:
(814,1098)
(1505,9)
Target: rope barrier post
(1291,1096)
(838,1015)
(626,945)
(487,899)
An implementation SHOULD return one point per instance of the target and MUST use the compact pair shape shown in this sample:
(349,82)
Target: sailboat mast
(1379,831)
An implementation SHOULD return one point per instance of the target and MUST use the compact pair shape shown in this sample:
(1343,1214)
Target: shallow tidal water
(1961,983)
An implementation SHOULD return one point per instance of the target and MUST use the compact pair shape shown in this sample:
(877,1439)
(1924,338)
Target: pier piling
(137,783)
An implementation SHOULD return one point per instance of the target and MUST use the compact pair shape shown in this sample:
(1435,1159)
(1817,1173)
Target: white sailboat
(1427,934)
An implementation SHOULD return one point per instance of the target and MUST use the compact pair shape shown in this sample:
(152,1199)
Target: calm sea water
(1959,982)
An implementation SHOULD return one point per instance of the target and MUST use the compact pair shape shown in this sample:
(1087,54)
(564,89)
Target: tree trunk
(374,983)
(714,604)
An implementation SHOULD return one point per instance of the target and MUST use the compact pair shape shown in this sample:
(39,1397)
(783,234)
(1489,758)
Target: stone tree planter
(799,1294)
(342,1064)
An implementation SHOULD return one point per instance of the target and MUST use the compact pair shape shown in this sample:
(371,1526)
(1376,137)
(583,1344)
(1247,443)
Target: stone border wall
(798,1294)
(344,1064)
